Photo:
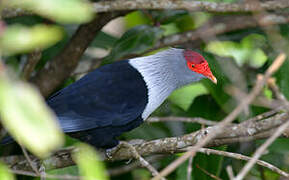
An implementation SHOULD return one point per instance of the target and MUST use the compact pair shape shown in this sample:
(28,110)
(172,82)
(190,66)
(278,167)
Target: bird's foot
(111,151)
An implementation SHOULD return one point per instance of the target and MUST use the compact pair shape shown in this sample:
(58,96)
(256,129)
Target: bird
(120,96)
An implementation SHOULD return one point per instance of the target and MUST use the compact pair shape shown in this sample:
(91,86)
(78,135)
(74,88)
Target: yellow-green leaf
(89,164)
(19,38)
(4,173)
(62,11)
(185,96)
(24,114)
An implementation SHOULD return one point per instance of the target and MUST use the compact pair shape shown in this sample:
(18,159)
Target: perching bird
(119,97)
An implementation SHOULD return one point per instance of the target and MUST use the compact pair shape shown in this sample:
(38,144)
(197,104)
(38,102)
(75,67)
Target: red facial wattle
(198,64)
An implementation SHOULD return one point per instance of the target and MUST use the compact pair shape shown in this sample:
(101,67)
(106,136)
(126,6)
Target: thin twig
(63,177)
(277,92)
(244,158)
(189,171)
(230,172)
(129,167)
(219,128)
(182,119)
(142,161)
(207,173)
(260,151)
(33,167)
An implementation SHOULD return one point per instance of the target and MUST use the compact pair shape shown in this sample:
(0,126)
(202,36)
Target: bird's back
(105,102)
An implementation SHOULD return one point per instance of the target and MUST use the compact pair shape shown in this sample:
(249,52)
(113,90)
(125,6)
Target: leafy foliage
(247,51)
(235,59)
(4,174)
(27,118)
(63,11)
(134,41)
(28,39)
(90,165)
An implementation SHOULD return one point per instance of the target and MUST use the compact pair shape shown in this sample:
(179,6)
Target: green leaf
(136,18)
(268,93)
(134,41)
(89,164)
(27,119)
(248,51)
(257,59)
(103,40)
(4,173)
(62,11)
(71,170)
(253,41)
(168,16)
(170,29)
(228,49)
(217,91)
(19,39)
(185,96)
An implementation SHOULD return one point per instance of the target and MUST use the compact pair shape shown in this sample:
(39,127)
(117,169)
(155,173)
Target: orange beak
(213,79)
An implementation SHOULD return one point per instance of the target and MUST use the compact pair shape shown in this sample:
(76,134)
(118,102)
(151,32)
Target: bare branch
(260,151)
(190,168)
(230,172)
(244,158)
(219,25)
(182,119)
(136,155)
(209,174)
(30,64)
(190,5)
(63,177)
(29,160)
(12,12)
(129,167)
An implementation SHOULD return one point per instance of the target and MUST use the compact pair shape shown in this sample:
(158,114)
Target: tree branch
(181,119)
(190,5)
(14,12)
(244,158)
(243,132)
(219,25)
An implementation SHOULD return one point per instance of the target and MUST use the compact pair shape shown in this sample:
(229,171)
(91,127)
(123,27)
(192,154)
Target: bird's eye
(193,66)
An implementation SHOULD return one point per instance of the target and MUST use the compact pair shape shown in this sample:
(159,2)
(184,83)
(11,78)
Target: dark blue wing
(112,95)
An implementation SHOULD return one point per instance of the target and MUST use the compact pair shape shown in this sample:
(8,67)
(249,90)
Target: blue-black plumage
(102,105)
(118,97)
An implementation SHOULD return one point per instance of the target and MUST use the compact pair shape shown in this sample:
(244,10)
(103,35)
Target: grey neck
(163,73)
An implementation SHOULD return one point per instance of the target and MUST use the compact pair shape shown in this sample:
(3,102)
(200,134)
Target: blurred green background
(235,57)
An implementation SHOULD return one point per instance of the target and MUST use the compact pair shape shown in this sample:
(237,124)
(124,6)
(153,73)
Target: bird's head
(198,64)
